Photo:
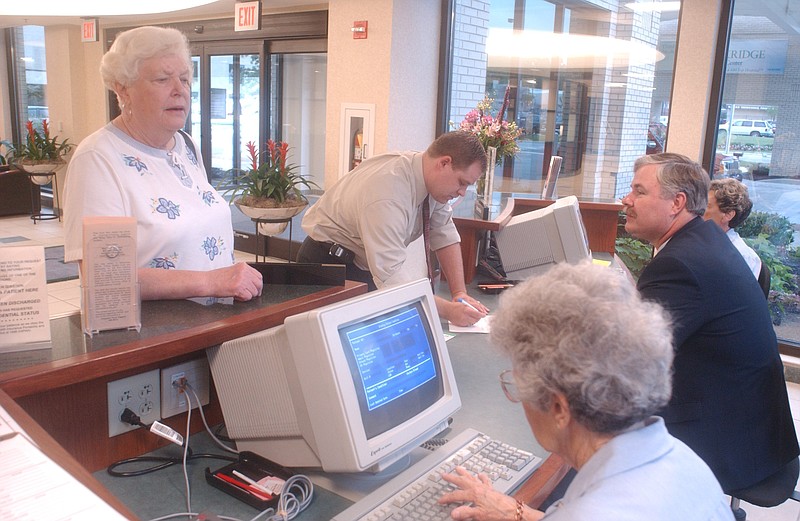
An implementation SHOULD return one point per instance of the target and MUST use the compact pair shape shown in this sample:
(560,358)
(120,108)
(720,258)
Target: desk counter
(63,386)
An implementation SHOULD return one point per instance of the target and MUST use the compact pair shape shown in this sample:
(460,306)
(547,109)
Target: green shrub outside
(769,234)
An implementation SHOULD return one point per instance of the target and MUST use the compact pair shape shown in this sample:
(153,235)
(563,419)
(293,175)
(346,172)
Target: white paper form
(34,487)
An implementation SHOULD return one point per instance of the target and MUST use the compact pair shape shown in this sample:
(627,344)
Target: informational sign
(24,317)
(247,16)
(757,56)
(89,30)
(110,297)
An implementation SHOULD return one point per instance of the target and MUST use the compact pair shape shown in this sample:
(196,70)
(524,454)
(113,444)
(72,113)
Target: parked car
(749,127)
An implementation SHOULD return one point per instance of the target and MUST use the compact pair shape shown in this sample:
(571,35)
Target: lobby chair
(769,492)
(764,278)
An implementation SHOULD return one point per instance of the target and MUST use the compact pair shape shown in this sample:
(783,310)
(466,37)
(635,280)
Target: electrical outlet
(139,393)
(173,400)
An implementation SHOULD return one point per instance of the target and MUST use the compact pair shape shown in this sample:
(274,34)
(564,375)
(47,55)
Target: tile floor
(64,299)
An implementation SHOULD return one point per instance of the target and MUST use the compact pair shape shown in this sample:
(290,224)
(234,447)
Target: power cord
(162,462)
(295,496)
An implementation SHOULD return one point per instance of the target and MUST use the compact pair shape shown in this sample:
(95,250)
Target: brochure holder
(100,311)
(110,297)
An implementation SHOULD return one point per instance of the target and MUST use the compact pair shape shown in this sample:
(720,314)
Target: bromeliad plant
(39,147)
(270,181)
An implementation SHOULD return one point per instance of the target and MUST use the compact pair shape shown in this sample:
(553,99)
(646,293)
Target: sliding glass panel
(758,142)
(234,112)
(297,98)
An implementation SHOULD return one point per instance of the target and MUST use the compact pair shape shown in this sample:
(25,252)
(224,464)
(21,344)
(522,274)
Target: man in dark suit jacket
(729,401)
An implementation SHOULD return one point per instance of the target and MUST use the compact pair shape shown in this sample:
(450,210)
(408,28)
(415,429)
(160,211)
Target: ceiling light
(96,7)
(661,7)
(542,49)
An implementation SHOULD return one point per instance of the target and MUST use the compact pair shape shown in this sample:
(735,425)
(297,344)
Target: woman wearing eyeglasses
(591,365)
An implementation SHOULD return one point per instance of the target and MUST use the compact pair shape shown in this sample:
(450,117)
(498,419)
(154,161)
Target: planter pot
(39,167)
(265,216)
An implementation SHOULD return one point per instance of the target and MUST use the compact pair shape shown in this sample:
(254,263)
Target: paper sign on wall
(24,317)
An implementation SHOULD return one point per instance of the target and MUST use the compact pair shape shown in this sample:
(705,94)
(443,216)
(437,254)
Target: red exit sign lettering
(247,16)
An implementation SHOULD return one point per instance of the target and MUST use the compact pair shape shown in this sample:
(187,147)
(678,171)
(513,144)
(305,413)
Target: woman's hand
(240,281)
(480,501)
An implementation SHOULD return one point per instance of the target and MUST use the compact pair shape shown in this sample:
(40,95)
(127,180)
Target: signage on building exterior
(757,56)
(247,16)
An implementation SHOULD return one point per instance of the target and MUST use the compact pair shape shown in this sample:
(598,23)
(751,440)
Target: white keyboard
(413,493)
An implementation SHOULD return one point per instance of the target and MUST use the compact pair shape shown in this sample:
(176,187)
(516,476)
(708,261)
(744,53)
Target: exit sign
(89,30)
(247,16)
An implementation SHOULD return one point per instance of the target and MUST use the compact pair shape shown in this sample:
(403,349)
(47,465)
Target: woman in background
(729,205)
(143,165)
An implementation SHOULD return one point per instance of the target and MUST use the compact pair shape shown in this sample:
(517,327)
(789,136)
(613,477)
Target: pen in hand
(470,306)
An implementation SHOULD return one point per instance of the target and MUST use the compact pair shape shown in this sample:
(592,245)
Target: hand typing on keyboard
(415,493)
(480,501)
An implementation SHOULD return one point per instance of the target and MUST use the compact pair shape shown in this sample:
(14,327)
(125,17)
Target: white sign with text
(24,316)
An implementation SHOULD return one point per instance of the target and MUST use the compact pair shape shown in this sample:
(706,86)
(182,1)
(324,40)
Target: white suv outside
(749,127)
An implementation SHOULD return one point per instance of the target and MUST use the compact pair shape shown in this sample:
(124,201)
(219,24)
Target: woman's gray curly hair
(582,330)
(120,65)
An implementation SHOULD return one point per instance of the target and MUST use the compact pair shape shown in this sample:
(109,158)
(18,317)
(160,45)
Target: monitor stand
(356,485)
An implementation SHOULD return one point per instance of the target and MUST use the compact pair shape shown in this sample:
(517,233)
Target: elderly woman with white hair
(142,165)
(590,366)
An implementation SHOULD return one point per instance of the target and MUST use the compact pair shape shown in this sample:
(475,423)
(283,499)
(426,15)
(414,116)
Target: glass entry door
(226,107)
(255,92)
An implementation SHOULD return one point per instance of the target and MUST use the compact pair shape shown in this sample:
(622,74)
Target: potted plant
(40,153)
(270,190)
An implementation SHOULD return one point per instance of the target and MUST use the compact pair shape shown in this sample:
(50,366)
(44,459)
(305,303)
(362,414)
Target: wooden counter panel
(68,397)
(132,355)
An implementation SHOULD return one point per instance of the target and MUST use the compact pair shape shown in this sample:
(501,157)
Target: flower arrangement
(270,182)
(39,147)
(493,131)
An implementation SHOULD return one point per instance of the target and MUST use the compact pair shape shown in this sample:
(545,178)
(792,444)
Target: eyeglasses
(509,385)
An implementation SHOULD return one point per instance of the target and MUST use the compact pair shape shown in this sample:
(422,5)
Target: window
(589,82)
(29,77)
(758,142)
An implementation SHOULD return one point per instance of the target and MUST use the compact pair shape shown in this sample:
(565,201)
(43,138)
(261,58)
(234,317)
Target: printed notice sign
(109,274)
(24,317)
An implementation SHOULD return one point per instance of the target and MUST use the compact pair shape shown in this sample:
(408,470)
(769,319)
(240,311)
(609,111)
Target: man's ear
(443,161)
(679,202)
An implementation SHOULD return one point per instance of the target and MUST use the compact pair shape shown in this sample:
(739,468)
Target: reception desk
(474,220)
(63,387)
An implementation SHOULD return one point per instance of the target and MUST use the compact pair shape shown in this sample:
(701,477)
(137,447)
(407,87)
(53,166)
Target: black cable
(128,416)
(163,462)
(434,443)
(218,433)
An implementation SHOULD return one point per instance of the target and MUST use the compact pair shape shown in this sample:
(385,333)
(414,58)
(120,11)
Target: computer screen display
(392,363)
(349,387)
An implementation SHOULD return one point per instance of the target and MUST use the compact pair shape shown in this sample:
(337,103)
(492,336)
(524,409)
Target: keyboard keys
(417,500)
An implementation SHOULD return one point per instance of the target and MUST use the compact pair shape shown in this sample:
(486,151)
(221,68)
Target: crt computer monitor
(532,241)
(349,387)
